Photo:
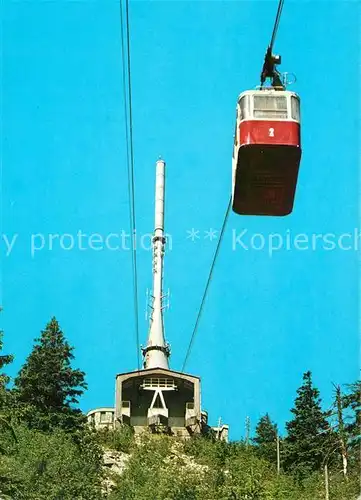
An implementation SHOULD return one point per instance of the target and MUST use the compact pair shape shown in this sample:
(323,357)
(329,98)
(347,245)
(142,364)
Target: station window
(295,108)
(270,106)
(158,382)
(104,417)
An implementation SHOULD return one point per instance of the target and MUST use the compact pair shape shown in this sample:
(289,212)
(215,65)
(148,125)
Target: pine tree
(352,402)
(352,422)
(6,428)
(4,379)
(340,428)
(47,386)
(266,439)
(309,438)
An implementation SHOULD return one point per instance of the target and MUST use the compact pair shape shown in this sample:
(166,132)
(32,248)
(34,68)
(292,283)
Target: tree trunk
(341,431)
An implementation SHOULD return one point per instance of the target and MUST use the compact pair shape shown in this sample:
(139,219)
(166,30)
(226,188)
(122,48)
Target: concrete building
(156,397)
(160,399)
(101,417)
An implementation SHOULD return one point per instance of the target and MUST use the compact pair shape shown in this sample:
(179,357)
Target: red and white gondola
(266,153)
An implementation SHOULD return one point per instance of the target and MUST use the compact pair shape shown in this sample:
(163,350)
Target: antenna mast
(157,351)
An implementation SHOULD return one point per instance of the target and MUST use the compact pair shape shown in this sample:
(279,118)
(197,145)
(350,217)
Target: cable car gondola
(267,152)
(267,143)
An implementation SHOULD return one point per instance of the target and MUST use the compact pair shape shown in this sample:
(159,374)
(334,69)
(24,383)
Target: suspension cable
(277,22)
(1,180)
(2,229)
(207,285)
(126,60)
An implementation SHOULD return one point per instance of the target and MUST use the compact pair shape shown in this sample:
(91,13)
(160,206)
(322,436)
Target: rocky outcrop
(114,463)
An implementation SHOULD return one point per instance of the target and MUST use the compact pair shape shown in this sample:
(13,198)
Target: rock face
(114,463)
(187,461)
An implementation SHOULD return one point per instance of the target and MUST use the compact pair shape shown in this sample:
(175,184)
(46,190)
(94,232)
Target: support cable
(207,285)
(277,22)
(126,63)
(2,229)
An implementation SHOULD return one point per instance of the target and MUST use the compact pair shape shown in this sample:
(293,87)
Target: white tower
(157,398)
(157,351)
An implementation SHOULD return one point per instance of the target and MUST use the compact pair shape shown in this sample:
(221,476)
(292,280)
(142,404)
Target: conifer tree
(340,428)
(352,402)
(47,386)
(6,428)
(309,437)
(266,438)
(4,379)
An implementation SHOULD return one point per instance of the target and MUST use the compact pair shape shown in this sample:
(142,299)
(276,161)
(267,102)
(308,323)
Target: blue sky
(267,318)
